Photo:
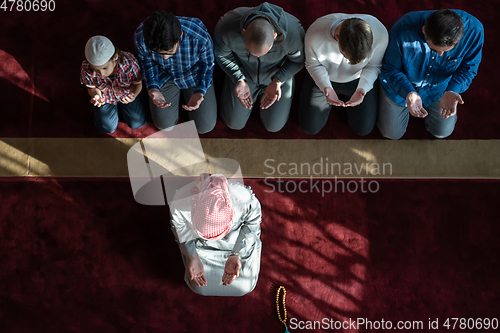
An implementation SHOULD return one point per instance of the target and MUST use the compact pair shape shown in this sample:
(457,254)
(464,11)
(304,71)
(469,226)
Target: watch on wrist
(235,254)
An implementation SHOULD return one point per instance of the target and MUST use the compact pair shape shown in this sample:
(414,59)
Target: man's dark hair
(162,30)
(444,28)
(355,40)
(260,33)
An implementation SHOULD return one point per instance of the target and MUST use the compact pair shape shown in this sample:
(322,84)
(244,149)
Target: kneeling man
(176,56)
(217,225)
(260,49)
(344,55)
(431,59)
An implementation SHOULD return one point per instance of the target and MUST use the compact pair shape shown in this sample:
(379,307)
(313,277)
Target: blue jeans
(393,119)
(106,116)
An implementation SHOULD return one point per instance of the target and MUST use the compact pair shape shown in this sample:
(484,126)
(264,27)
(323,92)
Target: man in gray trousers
(176,56)
(260,49)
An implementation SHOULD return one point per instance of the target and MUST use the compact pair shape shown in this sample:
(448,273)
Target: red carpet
(82,256)
(49,48)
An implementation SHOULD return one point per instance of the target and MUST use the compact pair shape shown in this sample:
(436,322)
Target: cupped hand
(356,98)
(448,104)
(271,95)
(231,270)
(194,102)
(129,98)
(332,98)
(158,99)
(98,100)
(196,271)
(414,105)
(242,91)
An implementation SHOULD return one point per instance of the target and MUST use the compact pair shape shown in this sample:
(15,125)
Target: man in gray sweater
(260,49)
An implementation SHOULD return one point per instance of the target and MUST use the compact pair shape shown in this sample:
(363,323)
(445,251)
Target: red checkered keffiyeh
(211,207)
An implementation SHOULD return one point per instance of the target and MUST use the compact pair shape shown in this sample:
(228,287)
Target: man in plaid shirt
(176,55)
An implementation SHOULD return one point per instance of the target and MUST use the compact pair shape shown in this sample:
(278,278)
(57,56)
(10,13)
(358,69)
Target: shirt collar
(334,27)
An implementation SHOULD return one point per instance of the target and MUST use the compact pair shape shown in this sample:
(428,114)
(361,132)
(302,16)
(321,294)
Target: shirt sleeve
(392,67)
(135,70)
(85,78)
(188,248)
(462,78)
(294,61)
(223,53)
(370,72)
(318,72)
(250,230)
(206,67)
(149,67)
(182,233)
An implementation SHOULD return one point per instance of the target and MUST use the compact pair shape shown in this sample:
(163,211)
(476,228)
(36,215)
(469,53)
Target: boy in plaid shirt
(176,56)
(113,81)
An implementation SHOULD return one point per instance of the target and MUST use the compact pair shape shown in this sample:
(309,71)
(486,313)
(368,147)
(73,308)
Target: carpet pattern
(81,256)
(78,254)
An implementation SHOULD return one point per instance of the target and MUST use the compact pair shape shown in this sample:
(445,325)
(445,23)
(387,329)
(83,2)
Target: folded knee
(441,135)
(362,131)
(108,128)
(391,135)
(310,131)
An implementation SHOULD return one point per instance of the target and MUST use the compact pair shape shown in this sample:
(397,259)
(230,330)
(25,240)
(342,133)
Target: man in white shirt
(344,55)
(216,223)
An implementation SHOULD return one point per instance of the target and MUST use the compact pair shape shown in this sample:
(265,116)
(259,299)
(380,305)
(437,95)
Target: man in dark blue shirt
(431,59)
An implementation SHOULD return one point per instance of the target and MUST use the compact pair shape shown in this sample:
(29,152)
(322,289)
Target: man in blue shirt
(176,55)
(431,59)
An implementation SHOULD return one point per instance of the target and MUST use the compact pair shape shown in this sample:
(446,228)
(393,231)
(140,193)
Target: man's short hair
(444,28)
(260,34)
(161,31)
(355,40)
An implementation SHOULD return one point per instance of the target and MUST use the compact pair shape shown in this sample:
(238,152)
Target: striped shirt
(115,88)
(190,67)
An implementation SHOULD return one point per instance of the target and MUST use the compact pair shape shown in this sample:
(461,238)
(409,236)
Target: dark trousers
(134,114)
(274,118)
(314,109)
(204,117)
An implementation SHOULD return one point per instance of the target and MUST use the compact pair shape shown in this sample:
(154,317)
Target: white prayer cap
(99,50)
